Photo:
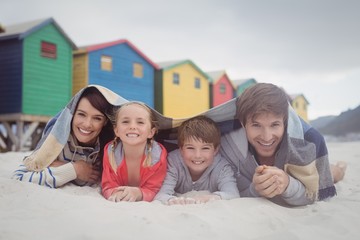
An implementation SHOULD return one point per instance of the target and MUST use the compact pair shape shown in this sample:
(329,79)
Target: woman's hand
(126,194)
(86,172)
(270,181)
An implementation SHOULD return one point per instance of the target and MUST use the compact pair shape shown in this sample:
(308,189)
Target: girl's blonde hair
(150,141)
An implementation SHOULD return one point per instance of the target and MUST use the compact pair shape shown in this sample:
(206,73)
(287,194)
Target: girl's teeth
(132,135)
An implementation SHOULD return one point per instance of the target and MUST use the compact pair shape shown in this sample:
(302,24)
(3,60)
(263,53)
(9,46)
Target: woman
(71,147)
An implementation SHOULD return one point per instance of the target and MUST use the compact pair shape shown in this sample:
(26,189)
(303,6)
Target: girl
(134,165)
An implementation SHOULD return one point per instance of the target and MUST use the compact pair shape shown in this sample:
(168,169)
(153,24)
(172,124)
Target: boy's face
(197,156)
(265,133)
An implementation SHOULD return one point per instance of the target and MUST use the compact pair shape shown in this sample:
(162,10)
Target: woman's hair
(96,99)
(199,128)
(262,98)
(154,124)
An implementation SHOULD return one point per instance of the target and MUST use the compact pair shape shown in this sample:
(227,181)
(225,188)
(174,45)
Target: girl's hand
(126,194)
(270,181)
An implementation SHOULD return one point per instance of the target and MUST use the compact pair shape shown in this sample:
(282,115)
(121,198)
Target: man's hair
(262,98)
(199,128)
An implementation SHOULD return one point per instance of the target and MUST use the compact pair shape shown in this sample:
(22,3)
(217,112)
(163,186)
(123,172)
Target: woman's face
(87,123)
(265,133)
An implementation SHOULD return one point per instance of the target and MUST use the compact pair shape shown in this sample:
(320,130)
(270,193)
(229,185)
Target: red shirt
(151,178)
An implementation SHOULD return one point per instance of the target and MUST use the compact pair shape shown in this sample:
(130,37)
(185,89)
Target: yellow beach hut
(181,89)
(300,105)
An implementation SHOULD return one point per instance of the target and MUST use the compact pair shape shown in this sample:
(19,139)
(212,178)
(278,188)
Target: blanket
(58,128)
(315,177)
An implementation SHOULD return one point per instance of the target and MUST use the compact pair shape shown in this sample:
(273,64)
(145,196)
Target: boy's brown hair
(199,128)
(262,98)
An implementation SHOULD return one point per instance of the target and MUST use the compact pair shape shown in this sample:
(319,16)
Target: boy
(197,166)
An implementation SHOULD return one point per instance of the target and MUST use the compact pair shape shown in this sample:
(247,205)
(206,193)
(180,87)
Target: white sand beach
(28,211)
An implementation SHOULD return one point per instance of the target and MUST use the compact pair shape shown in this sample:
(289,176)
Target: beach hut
(35,77)
(181,89)
(241,84)
(300,105)
(221,88)
(117,65)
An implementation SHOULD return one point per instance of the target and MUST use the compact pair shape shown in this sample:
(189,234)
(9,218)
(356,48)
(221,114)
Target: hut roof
(96,47)
(171,64)
(24,29)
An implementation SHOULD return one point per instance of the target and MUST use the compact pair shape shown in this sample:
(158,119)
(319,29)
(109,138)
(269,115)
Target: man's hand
(270,181)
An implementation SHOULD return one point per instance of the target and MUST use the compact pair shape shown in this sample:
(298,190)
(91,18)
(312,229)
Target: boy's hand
(181,201)
(194,200)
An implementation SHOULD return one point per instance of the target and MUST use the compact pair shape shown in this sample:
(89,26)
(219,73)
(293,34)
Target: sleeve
(52,177)
(250,191)
(295,193)
(155,177)
(227,184)
(108,183)
(167,190)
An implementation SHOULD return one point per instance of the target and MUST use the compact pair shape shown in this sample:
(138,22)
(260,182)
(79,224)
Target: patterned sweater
(54,177)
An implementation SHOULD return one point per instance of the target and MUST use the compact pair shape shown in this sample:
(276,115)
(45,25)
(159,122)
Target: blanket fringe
(326,193)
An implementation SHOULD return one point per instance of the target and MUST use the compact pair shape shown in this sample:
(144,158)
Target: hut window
(222,88)
(138,70)
(106,63)
(197,83)
(48,50)
(176,78)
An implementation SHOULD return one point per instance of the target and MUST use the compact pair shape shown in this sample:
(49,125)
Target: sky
(309,47)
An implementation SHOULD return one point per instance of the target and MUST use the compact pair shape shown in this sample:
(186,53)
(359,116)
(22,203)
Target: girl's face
(133,125)
(265,133)
(87,123)
(197,156)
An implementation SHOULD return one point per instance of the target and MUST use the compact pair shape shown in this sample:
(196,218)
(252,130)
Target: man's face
(265,133)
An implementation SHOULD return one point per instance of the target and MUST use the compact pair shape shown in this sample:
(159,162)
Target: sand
(29,211)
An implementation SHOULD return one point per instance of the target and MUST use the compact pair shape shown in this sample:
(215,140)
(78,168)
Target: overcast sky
(307,47)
